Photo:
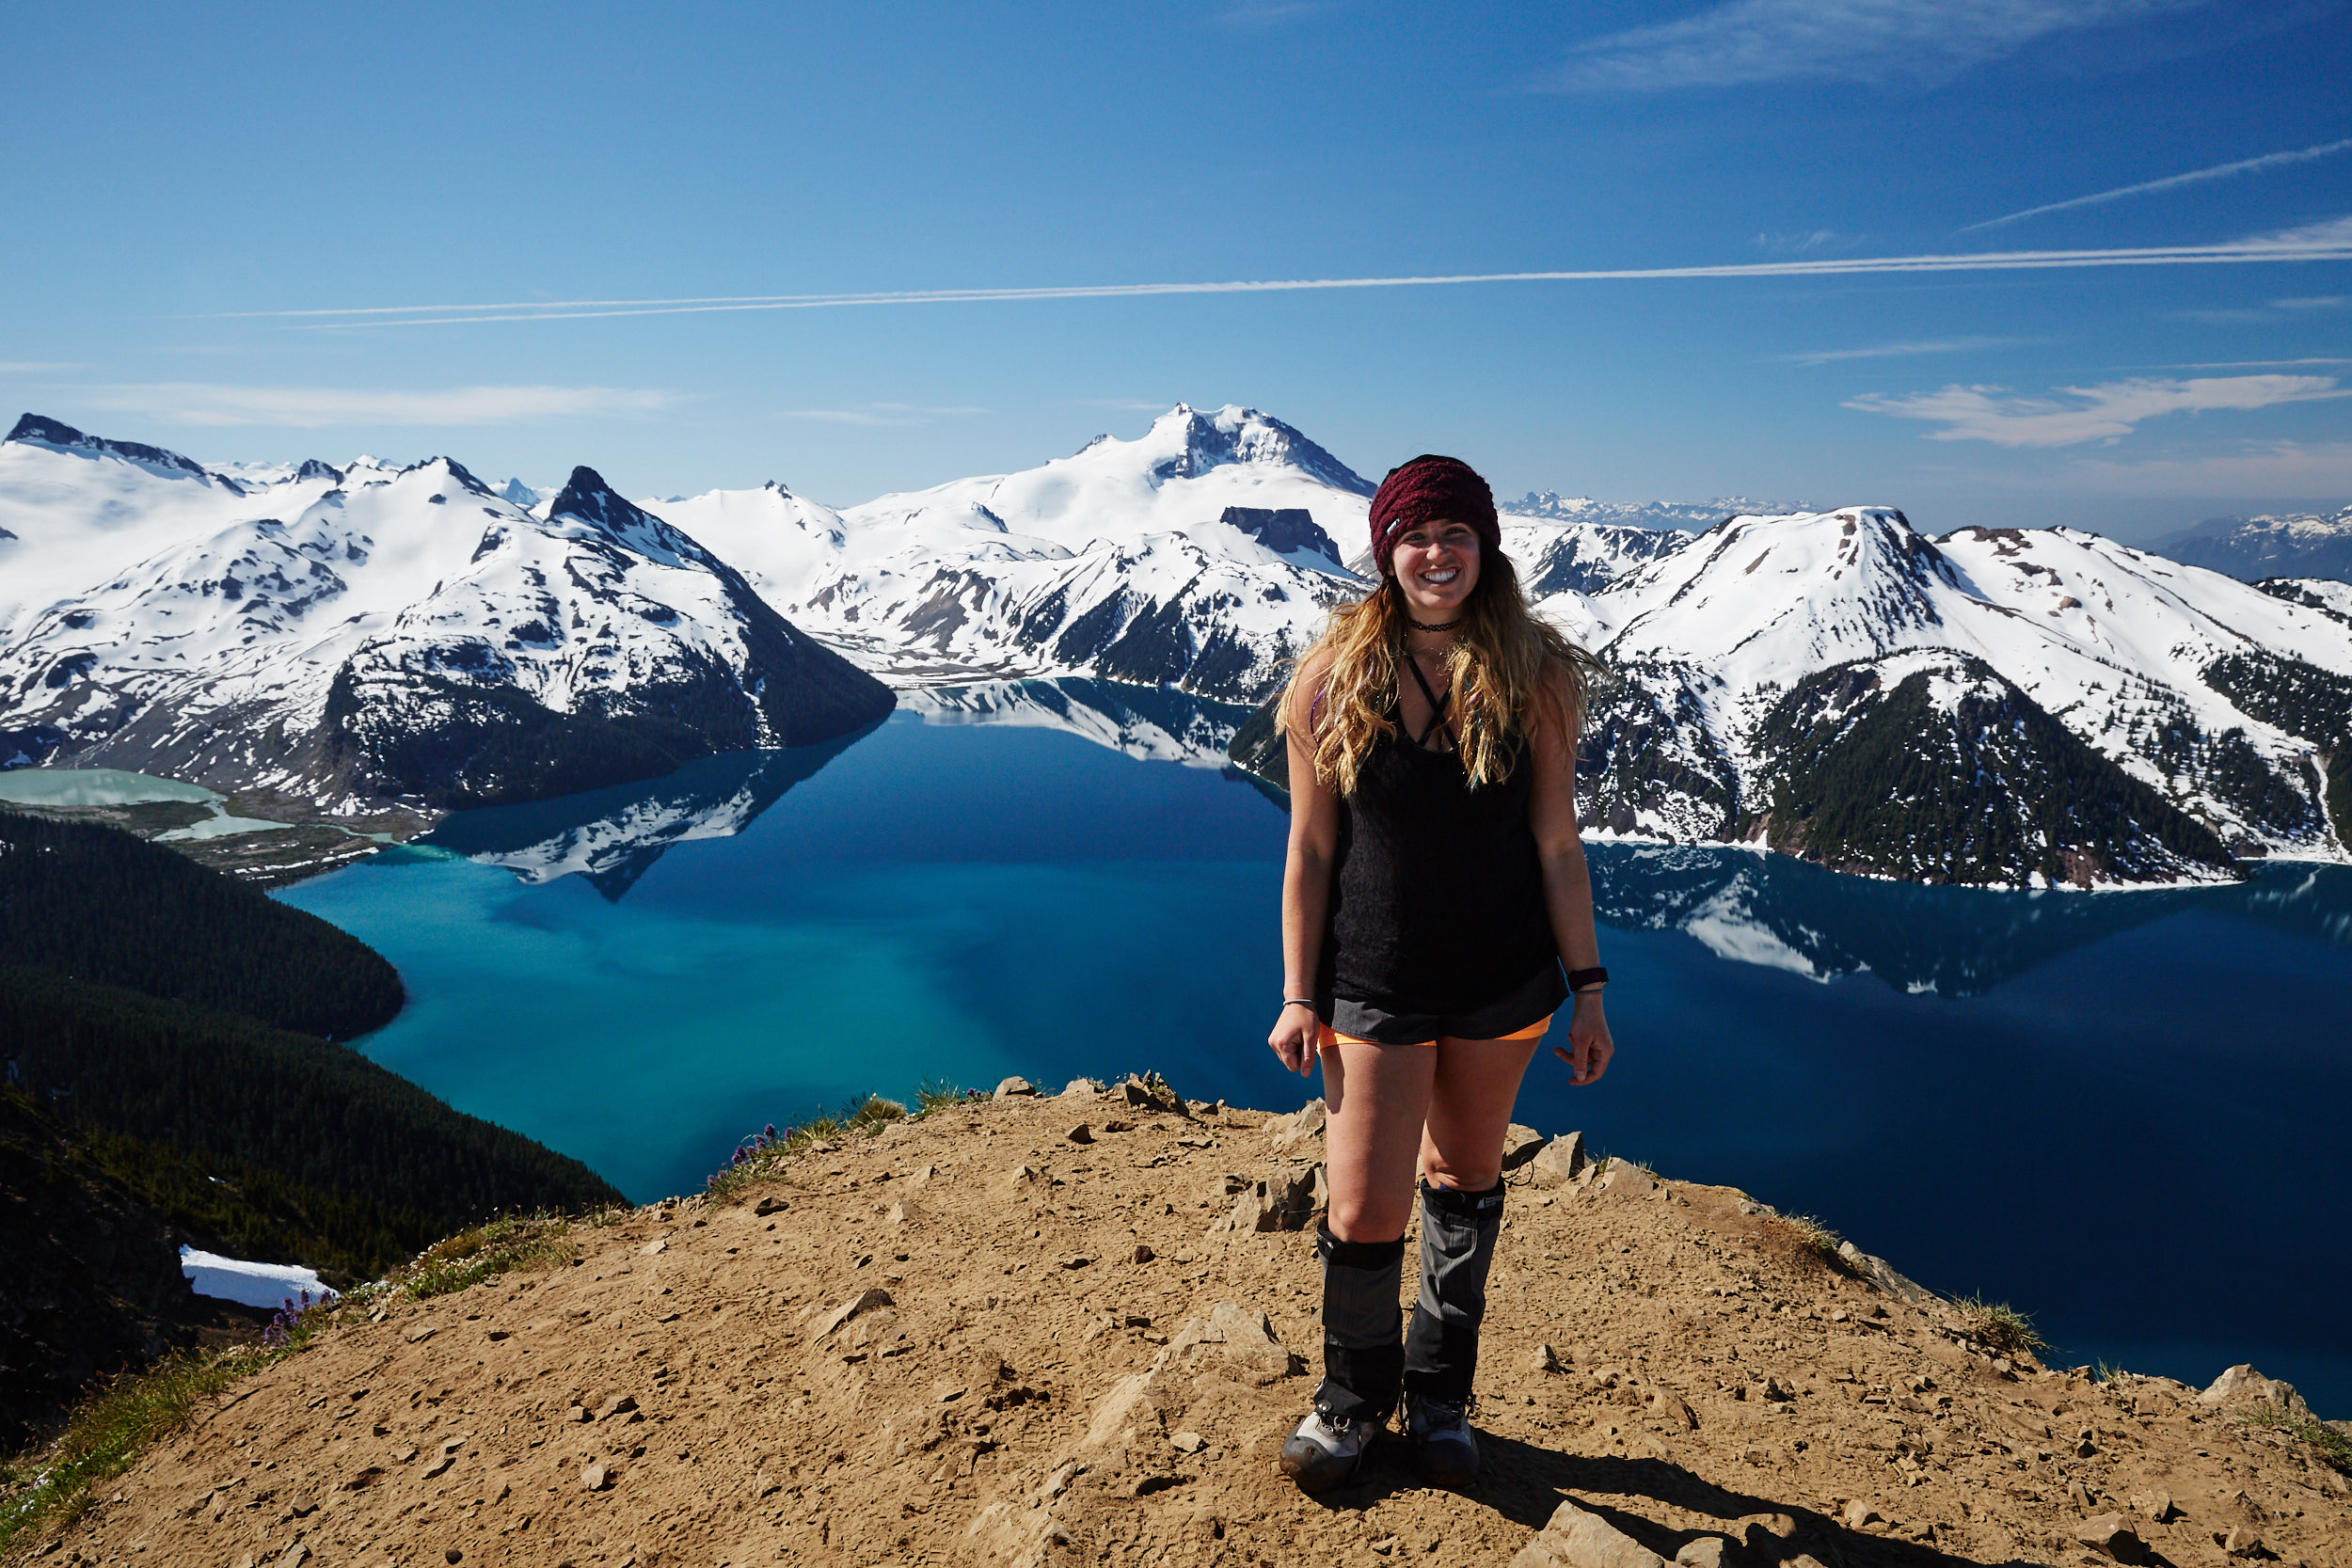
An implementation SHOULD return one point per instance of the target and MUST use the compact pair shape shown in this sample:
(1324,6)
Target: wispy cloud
(312,407)
(2271,469)
(1892,351)
(1856,40)
(1270,13)
(2326,242)
(2195,176)
(1804,242)
(877,414)
(2103,412)
(2313,302)
(36,366)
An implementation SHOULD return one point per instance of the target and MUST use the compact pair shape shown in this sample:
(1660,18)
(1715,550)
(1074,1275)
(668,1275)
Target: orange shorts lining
(1332,1037)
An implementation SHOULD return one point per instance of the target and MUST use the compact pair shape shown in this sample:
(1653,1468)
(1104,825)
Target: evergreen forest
(187,1025)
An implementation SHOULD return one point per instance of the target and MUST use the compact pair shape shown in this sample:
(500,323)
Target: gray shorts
(1523,1006)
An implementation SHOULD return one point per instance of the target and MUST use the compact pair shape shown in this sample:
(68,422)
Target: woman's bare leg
(1377,1098)
(1472,1093)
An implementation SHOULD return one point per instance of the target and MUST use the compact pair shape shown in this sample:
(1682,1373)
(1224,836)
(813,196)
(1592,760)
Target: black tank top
(1437,894)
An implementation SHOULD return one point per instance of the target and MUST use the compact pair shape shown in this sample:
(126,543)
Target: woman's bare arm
(1306,888)
(1567,883)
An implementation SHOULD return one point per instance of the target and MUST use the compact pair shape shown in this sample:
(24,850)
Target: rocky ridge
(1077,1329)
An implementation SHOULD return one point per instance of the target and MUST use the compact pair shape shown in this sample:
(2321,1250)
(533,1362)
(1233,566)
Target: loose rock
(1007,1088)
(1560,1159)
(1575,1537)
(2108,1534)
(596,1475)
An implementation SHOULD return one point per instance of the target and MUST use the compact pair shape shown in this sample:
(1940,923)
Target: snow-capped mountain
(376,632)
(1201,555)
(1992,703)
(1998,705)
(2293,545)
(1995,705)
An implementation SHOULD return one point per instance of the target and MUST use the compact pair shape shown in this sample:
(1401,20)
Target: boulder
(1575,1537)
(2156,1507)
(2244,1540)
(1011,1086)
(2242,1384)
(2107,1536)
(1080,1088)
(1560,1159)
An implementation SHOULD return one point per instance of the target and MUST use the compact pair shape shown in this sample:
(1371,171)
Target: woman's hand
(1589,1046)
(1297,1033)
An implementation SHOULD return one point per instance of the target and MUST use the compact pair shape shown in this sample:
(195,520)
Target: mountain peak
(42,430)
(1237,435)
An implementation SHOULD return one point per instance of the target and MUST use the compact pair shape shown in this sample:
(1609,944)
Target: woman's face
(1437,566)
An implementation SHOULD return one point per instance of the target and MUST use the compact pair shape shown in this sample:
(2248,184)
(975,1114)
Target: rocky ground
(1074,1330)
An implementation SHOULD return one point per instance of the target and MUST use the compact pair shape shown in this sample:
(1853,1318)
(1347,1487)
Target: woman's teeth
(1441,578)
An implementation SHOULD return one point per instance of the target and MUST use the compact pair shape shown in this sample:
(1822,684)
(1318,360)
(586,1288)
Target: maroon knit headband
(1424,490)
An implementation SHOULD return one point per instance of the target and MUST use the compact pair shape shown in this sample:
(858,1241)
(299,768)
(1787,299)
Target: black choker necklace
(1424,625)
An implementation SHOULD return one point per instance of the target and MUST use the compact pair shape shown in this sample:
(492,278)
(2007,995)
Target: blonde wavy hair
(1506,666)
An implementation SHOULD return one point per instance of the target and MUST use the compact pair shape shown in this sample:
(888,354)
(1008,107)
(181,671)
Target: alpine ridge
(2027,707)
(375,633)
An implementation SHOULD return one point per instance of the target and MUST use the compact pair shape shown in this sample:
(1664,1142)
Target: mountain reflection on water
(1769,910)
(610,837)
(1740,904)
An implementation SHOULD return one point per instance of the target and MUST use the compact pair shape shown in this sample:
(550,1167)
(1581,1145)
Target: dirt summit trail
(1076,1330)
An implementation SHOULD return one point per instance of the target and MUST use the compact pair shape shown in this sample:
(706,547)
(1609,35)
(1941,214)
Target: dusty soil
(973,1339)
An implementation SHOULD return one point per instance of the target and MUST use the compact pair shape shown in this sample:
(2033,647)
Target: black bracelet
(1580,978)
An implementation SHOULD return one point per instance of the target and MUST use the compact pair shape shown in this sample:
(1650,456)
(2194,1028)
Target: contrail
(2220,171)
(2331,242)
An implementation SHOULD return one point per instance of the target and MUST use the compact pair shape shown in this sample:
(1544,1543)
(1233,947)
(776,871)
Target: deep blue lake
(2122,1113)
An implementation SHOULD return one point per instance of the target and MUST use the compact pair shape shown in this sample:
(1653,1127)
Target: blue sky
(176,175)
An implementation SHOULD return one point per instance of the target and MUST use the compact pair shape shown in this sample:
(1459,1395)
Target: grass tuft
(2333,1446)
(937,1094)
(481,1251)
(1814,1237)
(1999,1326)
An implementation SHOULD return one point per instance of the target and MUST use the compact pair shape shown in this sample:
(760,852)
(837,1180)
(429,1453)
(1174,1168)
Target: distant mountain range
(371,632)
(1997,705)
(2295,544)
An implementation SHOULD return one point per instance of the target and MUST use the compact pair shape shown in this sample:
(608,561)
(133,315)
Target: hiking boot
(1444,1449)
(1328,1450)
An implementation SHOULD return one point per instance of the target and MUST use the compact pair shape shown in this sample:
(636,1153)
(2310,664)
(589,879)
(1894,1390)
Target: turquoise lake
(2122,1113)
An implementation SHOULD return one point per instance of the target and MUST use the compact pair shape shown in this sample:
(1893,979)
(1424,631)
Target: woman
(1434,886)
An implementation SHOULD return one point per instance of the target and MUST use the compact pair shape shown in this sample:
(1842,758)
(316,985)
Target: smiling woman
(1435,883)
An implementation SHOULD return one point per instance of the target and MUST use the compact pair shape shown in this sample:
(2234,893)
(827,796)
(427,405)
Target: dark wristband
(1580,978)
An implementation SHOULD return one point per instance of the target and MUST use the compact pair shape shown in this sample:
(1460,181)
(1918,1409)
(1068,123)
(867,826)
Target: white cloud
(2097,413)
(1892,351)
(1857,41)
(35,367)
(2195,176)
(310,407)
